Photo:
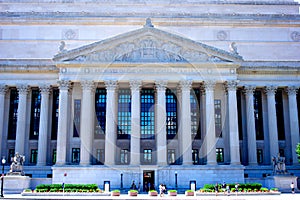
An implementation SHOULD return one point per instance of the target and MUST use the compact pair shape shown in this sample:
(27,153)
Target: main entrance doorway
(148,180)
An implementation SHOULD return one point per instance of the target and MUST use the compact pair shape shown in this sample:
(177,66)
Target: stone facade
(239,58)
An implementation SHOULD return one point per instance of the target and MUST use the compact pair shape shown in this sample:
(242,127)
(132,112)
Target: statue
(62,47)
(279,165)
(16,167)
(233,48)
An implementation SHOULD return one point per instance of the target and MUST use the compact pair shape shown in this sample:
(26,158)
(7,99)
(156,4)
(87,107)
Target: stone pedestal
(282,182)
(15,184)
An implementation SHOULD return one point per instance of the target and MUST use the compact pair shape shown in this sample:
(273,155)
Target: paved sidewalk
(146,197)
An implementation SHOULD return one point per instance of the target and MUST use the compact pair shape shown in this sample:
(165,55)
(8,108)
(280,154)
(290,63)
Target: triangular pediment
(146,45)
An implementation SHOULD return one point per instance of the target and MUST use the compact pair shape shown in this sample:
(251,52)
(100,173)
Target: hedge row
(57,187)
(242,186)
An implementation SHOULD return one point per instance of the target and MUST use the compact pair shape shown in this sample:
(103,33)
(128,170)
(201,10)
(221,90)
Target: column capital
(185,84)
(249,89)
(270,90)
(161,85)
(231,85)
(111,84)
(45,89)
(291,90)
(64,84)
(209,85)
(3,89)
(87,85)
(135,85)
(23,89)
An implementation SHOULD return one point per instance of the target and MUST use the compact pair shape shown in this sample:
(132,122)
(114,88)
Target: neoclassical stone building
(151,91)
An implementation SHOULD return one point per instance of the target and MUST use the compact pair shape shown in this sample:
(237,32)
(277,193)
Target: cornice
(27,66)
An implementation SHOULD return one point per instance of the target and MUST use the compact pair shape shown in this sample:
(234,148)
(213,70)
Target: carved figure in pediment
(233,48)
(62,47)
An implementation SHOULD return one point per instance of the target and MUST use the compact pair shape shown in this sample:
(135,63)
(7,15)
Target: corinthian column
(43,129)
(87,122)
(110,126)
(210,132)
(3,90)
(62,129)
(161,123)
(21,120)
(233,123)
(186,133)
(272,121)
(294,125)
(135,122)
(251,134)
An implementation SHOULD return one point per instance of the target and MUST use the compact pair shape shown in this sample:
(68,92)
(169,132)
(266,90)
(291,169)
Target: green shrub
(27,190)
(116,191)
(172,190)
(53,190)
(274,189)
(133,191)
(189,191)
(264,189)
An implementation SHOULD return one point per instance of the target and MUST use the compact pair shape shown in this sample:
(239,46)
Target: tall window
(13,114)
(279,114)
(239,109)
(33,156)
(55,102)
(218,118)
(171,109)
(54,156)
(76,123)
(100,156)
(220,155)
(35,114)
(147,156)
(260,157)
(195,113)
(147,113)
(258,117)
(171,156)
(124,156)
(195,156)
(75,155)
(124,114)
(100,107)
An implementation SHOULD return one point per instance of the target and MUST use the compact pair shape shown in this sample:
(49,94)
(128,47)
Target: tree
(298,151)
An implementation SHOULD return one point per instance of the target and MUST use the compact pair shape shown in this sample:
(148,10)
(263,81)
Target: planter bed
(239,194)
(64,194)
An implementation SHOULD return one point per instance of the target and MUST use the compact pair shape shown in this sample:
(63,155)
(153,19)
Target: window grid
(75,155)
(35,114)
(100,156)
(76,123)
(55,93)
(195,113)
(218,118)
(147,156)
(147,114)
(33,156)
(124,114)
(124,156)
(171,109)
(258,117)
(220,155)
(100,107)
(171,156)
(13,114)
(259,156)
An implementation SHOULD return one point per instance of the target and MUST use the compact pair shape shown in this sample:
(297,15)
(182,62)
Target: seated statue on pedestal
(16,167)
(279,165)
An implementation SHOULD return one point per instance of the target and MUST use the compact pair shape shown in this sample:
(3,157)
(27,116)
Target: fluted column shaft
(294,125)
(21,119)
(135,122)
(43,126)
(3,90)
(62,128)
(186,139)
(233,123)
(110,125)
(210,132)
(272,121)
(161,123)
(251,134)
(87,122)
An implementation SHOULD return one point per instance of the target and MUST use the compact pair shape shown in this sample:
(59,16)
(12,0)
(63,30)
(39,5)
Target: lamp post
(2,177)
(176,179)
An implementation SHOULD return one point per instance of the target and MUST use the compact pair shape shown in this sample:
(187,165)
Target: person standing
(293,187)
(216,189)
